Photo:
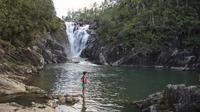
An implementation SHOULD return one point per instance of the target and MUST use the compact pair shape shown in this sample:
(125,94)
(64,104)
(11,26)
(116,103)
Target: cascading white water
(77,36)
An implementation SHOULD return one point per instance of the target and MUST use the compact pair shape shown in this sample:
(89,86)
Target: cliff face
(52,45)
(169,55)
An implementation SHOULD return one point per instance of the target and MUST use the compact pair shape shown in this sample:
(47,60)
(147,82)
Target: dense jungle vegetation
(21,20)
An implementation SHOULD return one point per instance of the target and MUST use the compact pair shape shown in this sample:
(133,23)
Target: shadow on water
(83,105)
(109,88)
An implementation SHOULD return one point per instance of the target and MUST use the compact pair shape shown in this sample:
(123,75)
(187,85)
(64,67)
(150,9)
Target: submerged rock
(71,100)
(67,99)
(64,108)
(175,98)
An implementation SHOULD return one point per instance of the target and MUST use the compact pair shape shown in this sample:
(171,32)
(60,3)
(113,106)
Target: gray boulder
(175,98)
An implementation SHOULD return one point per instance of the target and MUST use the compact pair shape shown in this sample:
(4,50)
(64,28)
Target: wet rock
(67,99)
(61,99)
(71,100)
(93,50)
(36,90)
(52,103)
(64,108)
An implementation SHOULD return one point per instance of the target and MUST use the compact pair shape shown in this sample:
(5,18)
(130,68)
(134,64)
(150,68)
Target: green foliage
(138,23)
(20,18)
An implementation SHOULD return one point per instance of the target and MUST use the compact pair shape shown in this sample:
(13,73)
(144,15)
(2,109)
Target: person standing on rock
(84,80)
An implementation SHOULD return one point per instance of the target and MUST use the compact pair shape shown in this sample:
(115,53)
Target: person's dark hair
(84,72)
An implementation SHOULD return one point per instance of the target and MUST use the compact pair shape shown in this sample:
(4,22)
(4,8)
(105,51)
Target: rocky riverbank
(174,98)
(117,53)
(19,63)
(37,102)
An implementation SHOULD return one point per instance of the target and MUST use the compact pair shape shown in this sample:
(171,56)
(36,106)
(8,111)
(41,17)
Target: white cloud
(62,6)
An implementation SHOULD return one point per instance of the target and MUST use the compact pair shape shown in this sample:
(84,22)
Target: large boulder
(175,98)
(10,86)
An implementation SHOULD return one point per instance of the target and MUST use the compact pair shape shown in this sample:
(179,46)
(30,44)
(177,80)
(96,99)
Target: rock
(35,58)
(61,99)
(4,68)
(12,107)
(102,59)
(36,48)
(93,25)
(52,103)
(36,90)
(17,77)
(2,53)
(116,52)
(24,69)
(92,51)
(67,99)
(175,98)
(17,69)
(65,108)
(10,86)
(52,51)
(48,56)
(71,100)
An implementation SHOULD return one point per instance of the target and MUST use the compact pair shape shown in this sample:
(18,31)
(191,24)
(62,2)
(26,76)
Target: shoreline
(161,67)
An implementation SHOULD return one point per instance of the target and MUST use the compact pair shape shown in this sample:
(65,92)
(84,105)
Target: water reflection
(83,105)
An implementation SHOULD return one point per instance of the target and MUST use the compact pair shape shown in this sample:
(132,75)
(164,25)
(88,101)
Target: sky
(63,6)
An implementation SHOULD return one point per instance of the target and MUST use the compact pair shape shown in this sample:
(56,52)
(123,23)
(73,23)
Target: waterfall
(77,36)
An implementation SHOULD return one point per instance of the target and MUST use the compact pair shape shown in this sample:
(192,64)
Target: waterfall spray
(78,37)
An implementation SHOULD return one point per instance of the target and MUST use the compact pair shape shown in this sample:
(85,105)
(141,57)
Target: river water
(110,89)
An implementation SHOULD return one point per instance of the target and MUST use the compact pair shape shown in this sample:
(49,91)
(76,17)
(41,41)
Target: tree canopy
(20,19)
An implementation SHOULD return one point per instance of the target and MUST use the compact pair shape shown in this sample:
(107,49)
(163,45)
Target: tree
(20,18)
